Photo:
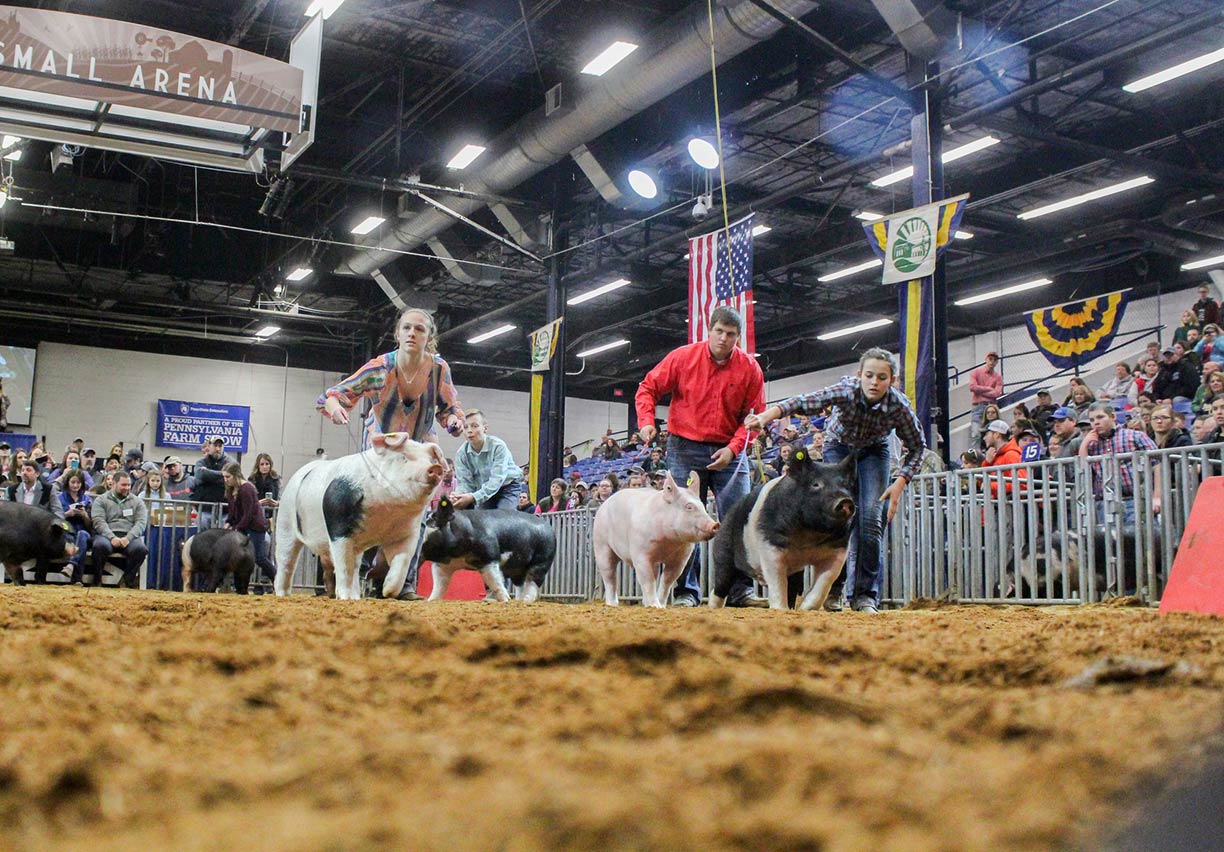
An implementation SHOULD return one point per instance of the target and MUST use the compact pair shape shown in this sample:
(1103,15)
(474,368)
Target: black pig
(496,542)
(31,532)
(800,519)
(212,554)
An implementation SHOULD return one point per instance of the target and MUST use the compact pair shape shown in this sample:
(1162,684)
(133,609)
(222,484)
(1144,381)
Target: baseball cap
(999,426)
(133,454)
(89,451)
(581,484)
(1083,421)
(1168,350)
(1043,392)
(173,460)
(1063,413)
(150,466)
(217,439)
(4,445)
(992,354)
(1028,431)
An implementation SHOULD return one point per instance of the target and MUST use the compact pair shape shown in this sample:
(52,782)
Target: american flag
(715,279)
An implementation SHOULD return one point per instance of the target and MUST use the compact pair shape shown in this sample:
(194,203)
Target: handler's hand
(454,425)
(462,501)
(648,433)
(721,459)
(893,495)
(1155,504)
(338,415)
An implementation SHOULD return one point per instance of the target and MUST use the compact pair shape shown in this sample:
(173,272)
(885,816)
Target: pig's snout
(434,473)
(845,508)
(709,530)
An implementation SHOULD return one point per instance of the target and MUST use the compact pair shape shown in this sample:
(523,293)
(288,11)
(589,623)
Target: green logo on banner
(912,244)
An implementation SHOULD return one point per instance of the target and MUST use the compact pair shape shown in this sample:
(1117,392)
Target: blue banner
(188,424)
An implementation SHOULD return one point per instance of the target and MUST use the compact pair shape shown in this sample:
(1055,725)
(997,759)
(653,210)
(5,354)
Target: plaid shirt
(1122,442)
(858,424)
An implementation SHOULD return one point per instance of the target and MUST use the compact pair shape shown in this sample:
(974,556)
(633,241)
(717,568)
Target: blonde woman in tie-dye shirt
(410,386)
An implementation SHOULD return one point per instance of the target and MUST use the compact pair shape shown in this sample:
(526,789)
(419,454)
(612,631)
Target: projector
(7,246)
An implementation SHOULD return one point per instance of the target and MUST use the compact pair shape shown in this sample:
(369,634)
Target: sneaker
(409,595)
(687,601)
(866,606)
(833,604)
(747,599)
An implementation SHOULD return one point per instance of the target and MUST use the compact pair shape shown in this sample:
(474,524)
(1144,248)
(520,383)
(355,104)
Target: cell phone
(267,495)
(76,463)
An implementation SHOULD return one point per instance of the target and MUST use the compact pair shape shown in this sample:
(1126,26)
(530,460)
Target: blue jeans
(259,543)
(730,484)
(505,498)
(865,558)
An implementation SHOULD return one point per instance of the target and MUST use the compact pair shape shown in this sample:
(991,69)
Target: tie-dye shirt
(389,412)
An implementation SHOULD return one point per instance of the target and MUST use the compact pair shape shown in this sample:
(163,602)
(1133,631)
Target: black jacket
(209,484)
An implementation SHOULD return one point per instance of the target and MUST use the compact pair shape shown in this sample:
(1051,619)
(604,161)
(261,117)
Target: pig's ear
(694,484)
(446,511)
(670,489)
(392,440)
(849,465)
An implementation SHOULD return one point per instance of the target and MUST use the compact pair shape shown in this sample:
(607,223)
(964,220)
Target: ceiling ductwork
(676,54)
(922,26)
(1189,213)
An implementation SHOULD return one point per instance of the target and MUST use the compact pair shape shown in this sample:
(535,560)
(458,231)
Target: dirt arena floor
(156,721)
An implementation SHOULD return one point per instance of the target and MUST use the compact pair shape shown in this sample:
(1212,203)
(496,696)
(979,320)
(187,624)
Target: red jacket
(1009,453)
(709,400)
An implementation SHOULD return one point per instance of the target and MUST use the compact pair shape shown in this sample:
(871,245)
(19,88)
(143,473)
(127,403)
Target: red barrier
(1196,583)
(464,585)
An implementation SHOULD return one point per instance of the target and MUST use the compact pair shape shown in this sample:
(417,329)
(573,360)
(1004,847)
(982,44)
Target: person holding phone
(73,505)
(267,483)
(70,462)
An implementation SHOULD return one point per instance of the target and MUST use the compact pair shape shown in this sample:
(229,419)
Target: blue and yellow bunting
(1074,333)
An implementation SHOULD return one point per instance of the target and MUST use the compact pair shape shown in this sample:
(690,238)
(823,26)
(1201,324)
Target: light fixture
(327,7)
(644,183)
(1176,71)
(868,216)
(267,331)
(466,155)
(854,329)
(368,224)
(1204,263)
(851,270)
(278,290)
(502,329)
(761,229)
(963,235)
(299,274)
(1005,291)
(14,155)
(611,55)
(1076,200)
(276,201)
(704,152)
(598,291)
(604,348)
(949,156)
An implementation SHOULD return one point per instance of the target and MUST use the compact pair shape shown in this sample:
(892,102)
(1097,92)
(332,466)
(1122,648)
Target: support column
(924,302)
(552,403)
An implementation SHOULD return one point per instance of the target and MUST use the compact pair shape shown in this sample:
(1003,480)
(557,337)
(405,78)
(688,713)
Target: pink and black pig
(31,532)
(339,508)
(213,553)
(502,544)
(800,519)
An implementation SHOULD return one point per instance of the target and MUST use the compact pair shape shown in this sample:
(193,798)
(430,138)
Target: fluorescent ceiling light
(15,155)
(1204,263)
(851,270)
(1076,200)
(949,156)
(327,7)
(1006,291)
(643,183)
(604,348)
(466,155)
(854,329)
(268,331)
(368,224)
(868,216)
(502,329)
(604,62)
(598,291)
(703,153)
(963,235)
(1176,71)
(761,229)
(300,273)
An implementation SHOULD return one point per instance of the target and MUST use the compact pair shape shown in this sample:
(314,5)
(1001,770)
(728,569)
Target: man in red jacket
(1005,452)
(713,385)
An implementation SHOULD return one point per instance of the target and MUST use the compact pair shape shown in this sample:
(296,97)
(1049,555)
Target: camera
(703,206)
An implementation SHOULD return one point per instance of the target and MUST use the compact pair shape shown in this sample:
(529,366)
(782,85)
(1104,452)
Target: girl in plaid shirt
(866,408)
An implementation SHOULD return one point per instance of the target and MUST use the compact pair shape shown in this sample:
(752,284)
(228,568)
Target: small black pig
(31,532)
(212,554)
(800,519)
(496,542)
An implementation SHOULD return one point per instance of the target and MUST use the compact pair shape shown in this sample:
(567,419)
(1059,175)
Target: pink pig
(643,528)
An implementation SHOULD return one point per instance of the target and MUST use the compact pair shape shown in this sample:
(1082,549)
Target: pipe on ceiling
(1188,212)
(681,55)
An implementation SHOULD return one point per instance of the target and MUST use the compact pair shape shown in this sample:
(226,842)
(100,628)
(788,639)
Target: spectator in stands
(1211,385)
(655,462)
(607,486)
(113,463)
(1203,428)
(267,483)
(119,522)
(154,487)
(1001,448)
(1063,423)
(1081,398)
(1210,348)
(1121,386)
(1043,411)
(971,459)
(816,446)
(577,498)
(70,462)
(1177,379)
(1164,432)
(985,387)
(209,485)
(634,444)
(178,484)
(1026,436)
(568,459)
(1188,321)
(555,501)
(6,457)
(74,504)
(90,461)
(46,465)
(608,449)
(18,459)
(246,515)
(1106,437)
(1206,309)
(785,451)
(1147,381)
(1054,447)
(486,476)
(637,478)
(29,487)
(105,482)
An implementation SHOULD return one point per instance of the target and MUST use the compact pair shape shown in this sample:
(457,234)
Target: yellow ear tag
(800,456)
(691,479)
